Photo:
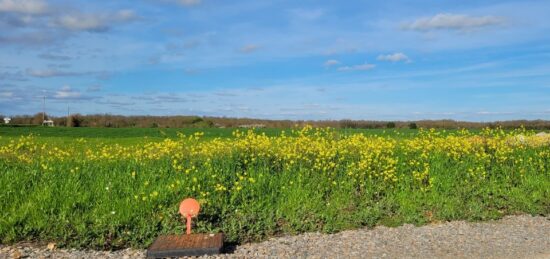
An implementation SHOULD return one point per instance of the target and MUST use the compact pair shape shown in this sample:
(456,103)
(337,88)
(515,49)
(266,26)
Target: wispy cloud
(363,67)
(66,93)
(6,95)
(23,6)
(493,113)
(94,88)
(32,38)
(49,73)
(55,57)
(448,21)
(249,48)
(331,62)
(115,103)
(395,57)
(94,22)
(12,76)
(52,72)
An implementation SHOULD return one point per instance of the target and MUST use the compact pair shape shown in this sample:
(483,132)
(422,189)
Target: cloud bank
(448,21)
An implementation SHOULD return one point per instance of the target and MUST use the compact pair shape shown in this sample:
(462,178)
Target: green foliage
(390,125)
(413,125)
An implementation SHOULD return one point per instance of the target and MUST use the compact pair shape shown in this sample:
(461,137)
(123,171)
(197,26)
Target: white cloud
(49,73)
(363,67)
(125,15)
(82,23)
(52,72)
(94,22)
(331,62)
(66,92)
(6,94)
(395,57)
(449,21)
(249,48)
(23,6)
(493,113)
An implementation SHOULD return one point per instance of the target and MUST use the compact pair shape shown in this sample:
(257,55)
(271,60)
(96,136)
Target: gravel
(511,237)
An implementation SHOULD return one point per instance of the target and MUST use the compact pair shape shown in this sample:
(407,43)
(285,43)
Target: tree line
(120,121)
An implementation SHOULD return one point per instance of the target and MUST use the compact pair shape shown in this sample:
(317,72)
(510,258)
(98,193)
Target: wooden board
(186,245)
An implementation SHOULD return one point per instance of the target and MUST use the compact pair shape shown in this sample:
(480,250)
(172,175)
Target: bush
(390,125)
(77,120)
(197,120)
(413,125)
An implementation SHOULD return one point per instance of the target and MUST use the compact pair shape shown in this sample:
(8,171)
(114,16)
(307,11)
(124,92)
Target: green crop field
(126,136)
(111,188)
(161,133)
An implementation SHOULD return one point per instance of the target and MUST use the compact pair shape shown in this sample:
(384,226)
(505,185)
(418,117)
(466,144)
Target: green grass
(102,205)
(134,135)
(130,136)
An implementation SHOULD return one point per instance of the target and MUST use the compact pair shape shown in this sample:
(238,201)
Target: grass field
(113,188)
(128,136)
(161,133)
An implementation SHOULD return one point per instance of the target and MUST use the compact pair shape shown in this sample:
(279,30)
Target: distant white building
(48,123)
(7,120)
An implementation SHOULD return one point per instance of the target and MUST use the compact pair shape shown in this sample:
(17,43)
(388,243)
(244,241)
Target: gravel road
(511,237)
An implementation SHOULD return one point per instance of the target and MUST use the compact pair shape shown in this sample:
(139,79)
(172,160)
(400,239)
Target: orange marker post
(169,246)
(189,208)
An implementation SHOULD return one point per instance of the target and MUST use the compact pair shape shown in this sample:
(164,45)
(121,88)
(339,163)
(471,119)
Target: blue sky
(374,60)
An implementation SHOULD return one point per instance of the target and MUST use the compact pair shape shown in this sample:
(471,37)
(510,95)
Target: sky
(370,60)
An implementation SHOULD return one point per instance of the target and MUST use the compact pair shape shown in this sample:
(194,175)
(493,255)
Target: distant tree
(77,120)
(38,119)
(348,124)
(390,125)
(413,125)
(197,120)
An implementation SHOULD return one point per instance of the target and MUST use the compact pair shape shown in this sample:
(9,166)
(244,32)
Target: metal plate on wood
(186,245)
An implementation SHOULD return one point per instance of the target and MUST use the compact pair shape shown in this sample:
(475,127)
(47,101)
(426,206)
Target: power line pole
(44,109)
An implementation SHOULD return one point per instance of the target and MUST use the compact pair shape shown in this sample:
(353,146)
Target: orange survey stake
(189,208)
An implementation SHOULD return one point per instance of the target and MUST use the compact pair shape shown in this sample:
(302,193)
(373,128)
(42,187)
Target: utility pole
(44,109)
